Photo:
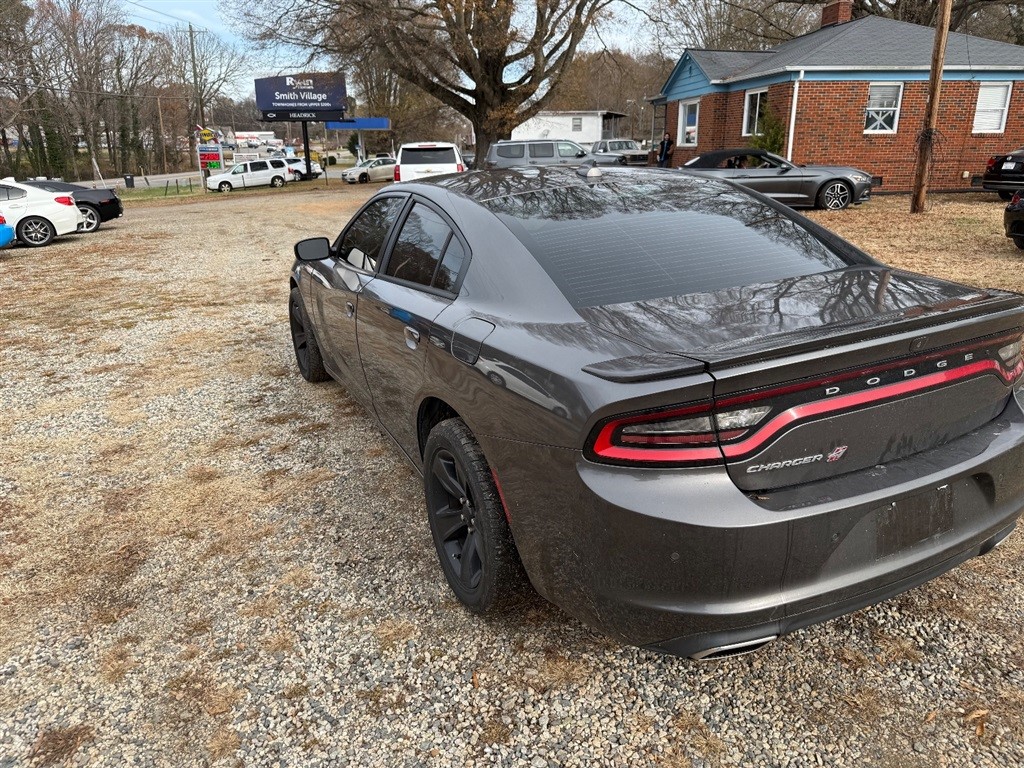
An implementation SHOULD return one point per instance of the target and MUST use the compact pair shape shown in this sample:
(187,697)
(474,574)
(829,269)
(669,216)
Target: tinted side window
(4,192)
(364,239)
(566,149)
(277,163)
(14,193)
(260,165)
(513,151)
(544,149)
(451,265)
(419,246)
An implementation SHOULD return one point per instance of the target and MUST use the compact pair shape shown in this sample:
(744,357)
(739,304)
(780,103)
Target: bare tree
(492,61)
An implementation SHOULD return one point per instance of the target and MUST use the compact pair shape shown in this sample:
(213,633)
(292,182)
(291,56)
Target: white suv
(418,161)
(258,173)
(37,215)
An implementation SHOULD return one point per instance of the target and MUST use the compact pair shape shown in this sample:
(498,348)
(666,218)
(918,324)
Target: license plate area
(1009,166)
(904,523)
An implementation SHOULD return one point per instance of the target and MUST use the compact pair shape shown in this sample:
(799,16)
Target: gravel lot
(205,560)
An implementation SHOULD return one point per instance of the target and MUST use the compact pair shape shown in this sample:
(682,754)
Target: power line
(56,89)
(168,15)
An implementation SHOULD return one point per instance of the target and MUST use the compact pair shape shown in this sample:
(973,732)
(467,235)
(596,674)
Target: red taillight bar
(398,173)
(64,200)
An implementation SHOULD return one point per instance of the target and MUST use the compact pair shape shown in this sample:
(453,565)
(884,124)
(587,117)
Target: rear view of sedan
(1004,174)
(97,205)
(1013,220)
(37,215)
(686,415)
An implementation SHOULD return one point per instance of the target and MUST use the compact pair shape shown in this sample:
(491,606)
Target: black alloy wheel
(467,520)
(835,195)
(307,351)
(92,217)
(35,231)
(1007,196)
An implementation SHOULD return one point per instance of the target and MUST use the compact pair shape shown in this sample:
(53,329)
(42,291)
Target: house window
(753,111)
(993,101)
(689,112)
(577,123)
(883,111)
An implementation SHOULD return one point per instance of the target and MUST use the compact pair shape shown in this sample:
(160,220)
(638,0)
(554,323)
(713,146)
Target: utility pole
(163,136)
(195,76)
(927,137)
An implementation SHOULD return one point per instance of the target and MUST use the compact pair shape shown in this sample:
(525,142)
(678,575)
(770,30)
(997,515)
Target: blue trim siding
(909,76)
(688,81)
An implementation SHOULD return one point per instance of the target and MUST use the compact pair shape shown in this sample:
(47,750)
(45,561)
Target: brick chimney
(837,12)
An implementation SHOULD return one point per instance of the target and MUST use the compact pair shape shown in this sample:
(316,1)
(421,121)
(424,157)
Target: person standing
(664,150)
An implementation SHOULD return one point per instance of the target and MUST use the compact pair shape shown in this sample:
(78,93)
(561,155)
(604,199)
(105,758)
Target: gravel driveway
(204,560)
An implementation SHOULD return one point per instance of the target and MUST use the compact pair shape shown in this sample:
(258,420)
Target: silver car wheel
(92,218)
(836,196)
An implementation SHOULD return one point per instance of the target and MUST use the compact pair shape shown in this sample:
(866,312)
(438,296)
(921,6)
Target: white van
(257,173)
(418,161)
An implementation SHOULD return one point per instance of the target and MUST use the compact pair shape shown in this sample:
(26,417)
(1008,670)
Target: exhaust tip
(733,649)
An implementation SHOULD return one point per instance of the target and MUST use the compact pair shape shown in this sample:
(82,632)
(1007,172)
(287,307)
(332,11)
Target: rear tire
(1007,196)
(467,521)
(35,231)
(92,217)
(277,182)
(835,196)
(224,186)
(1018,240)
(307,350)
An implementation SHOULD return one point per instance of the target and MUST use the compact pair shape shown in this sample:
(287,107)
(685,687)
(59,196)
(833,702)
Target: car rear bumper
(683,561)
(1013,221)
(1003,185)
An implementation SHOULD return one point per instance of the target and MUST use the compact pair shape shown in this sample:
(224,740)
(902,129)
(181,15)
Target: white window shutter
(989,117)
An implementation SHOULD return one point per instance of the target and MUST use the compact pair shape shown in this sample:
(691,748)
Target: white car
(373,169)
(297,165)
(37,215)
(258,173)
(418,161)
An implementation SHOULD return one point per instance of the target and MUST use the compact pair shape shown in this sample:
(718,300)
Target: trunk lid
(852,368)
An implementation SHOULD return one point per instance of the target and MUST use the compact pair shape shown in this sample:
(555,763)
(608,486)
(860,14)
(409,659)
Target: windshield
(365,164)
(624,145)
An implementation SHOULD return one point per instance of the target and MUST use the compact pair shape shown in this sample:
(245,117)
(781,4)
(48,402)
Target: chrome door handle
(349,309)
(412,337)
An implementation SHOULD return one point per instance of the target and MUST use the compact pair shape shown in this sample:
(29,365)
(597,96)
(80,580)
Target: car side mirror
(581,153)
(783,169)
(313,249)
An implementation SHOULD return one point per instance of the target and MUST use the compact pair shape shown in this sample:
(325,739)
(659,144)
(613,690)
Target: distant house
(854,93)
(581,127)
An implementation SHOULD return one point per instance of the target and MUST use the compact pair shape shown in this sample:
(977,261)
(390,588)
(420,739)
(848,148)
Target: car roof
(712,159)
(427,145)
(530,141)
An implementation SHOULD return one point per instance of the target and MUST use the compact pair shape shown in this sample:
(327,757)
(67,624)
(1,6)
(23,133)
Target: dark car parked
(697,420)
(1005,174)
(97,205)
(1013,219)
(822,186)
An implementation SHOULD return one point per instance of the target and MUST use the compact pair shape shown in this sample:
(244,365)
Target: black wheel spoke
(449,522)
(470,571)
(446,471)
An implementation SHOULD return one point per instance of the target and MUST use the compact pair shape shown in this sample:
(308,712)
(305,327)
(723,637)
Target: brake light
(398,173)
(991,163)
(64,200)
(1016,199)
(459,168)
(3,220)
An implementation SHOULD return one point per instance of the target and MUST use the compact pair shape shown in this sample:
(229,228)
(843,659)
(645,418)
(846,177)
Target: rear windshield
(625,241)
(429,156)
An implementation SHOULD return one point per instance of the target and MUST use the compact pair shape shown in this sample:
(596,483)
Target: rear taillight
(1017,198)
(3,220)
(459,168)
(398,174)
(64,200)
(688,435)
(991,163)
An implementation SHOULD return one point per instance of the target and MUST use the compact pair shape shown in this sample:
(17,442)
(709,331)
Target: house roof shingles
(871,41)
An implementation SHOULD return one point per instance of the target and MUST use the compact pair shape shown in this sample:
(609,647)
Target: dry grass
(392,632)
(57,746)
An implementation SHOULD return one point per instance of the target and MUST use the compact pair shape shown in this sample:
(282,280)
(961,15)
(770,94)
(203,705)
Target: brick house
(854,93)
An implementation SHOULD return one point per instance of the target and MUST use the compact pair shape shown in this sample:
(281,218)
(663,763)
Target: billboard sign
(312,92)
(211,157)
(291,115)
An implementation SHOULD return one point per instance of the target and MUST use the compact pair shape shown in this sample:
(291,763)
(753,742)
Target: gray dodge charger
(685,414)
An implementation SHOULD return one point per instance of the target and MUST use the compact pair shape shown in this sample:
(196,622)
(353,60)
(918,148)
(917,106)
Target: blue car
(6,233)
